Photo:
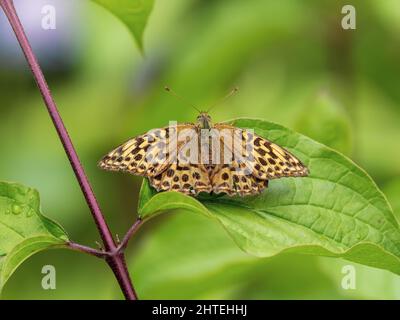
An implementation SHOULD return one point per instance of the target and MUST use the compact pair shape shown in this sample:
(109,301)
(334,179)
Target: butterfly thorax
(204,120)
(204,124)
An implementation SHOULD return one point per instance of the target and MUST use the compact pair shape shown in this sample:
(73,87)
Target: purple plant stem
(116,262)
(132,230)
(88,250)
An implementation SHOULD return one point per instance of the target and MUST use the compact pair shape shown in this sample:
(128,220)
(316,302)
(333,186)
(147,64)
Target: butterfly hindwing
(232,179)
(189,179)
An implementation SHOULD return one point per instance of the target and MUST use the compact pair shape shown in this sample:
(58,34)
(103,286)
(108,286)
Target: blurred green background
(294,65)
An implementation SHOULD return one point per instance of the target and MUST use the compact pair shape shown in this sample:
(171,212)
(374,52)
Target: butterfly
(204,157)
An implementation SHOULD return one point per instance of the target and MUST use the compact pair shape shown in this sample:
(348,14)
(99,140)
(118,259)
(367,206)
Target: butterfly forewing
(264,159)
(146,155)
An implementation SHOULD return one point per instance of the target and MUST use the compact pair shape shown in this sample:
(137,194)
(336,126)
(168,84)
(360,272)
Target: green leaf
(23,229)
(392,191)
(337,211)
(324,120)
(207,268)
(133,13)
(213,267)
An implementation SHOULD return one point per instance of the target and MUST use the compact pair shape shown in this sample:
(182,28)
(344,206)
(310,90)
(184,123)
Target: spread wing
(145,155)
(263,158)
(161,155)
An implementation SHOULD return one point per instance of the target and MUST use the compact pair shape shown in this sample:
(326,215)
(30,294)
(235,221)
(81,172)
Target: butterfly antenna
(231,93)
(168,89)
